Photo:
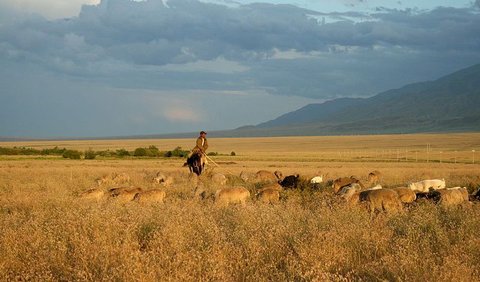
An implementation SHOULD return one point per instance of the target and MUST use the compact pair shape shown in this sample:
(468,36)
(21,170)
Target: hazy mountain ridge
(450,103)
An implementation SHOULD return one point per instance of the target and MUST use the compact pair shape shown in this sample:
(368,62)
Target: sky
(90,68)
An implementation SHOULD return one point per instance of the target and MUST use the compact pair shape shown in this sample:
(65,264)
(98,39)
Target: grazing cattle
(124,194)
(150,196)
(267,176)
(235,195)
(114,178)
(219,179)
(344,181)
(406,195)
(93,194)
(274,186)
(199,192)
(268,195)
(164,180)
(247,176)
(374,177)
(425,185)
(449,197)
(381,200)
(194,163)
(316,180)
(290,181)
(350,193)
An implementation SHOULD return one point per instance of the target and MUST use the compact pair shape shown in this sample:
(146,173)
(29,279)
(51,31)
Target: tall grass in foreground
(47,233)
(189,241)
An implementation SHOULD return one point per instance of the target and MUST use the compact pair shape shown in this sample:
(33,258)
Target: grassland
(48,233)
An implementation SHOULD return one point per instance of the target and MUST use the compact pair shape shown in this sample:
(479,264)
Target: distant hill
(448,104)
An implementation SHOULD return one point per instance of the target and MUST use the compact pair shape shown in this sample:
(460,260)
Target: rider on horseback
(201,147)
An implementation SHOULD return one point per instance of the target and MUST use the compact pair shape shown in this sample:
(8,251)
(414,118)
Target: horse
(195,164)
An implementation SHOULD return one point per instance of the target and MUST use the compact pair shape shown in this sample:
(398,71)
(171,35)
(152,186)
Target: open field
(49,233)
(412,148)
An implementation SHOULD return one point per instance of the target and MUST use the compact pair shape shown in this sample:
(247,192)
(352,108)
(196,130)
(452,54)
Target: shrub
(72,154)
(212,154)
(233,153)
(177,152)
(153,151)
(53,151)
(140,152)
(122,153)
(90,154)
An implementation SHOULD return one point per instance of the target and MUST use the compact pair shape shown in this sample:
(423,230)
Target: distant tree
(90,154)
(140,152)
(72,154)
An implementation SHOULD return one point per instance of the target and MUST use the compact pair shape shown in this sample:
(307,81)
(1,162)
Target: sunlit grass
(47,233)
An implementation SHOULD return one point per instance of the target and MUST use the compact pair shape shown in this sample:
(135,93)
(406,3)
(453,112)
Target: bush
(212,154)
(140,152)
(90,154)
(54,151)
(19,151)
(72,154)
(122,153)
(233,153)
(177,152)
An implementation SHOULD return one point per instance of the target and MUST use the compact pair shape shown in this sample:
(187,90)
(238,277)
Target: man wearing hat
(201,146)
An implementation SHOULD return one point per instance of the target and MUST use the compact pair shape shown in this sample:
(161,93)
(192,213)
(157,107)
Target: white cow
(424,185)
(317,180)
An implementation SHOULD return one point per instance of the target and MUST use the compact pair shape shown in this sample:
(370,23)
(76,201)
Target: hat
(202,132)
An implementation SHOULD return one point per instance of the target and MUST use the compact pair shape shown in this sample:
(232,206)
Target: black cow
(290,181)
(194,163)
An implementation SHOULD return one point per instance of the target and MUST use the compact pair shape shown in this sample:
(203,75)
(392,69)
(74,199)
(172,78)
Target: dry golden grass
(48,233)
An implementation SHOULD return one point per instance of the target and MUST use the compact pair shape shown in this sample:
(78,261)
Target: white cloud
(51,9)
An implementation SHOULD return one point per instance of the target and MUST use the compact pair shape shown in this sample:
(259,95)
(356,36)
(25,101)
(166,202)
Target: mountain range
(448,104)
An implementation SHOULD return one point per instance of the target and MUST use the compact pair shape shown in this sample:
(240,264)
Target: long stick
(210,159)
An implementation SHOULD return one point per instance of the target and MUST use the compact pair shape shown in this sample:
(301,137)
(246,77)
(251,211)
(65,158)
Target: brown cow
(344,181)
(150,196)
(405,194)
(268,195)
(381,200)
(233,195)
(124,194)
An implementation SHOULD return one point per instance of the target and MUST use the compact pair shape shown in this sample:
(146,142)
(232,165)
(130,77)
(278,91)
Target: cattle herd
(269,187)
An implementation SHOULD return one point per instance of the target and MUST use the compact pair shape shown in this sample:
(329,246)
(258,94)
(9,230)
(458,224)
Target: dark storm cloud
(126,43)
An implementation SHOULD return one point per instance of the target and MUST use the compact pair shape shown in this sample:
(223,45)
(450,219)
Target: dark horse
(194,163)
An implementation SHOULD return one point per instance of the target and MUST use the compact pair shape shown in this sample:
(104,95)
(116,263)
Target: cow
(124,194)
(425,185)
(150,196)
(164,180)
(290,181)
(235,195)
(267,176)
(195,164)
(344,181)
(406,195)
(95,194)
(219,179)
(449,197)
(247,176)
(268,195)
(316,179)
(114,178)
(381,200)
